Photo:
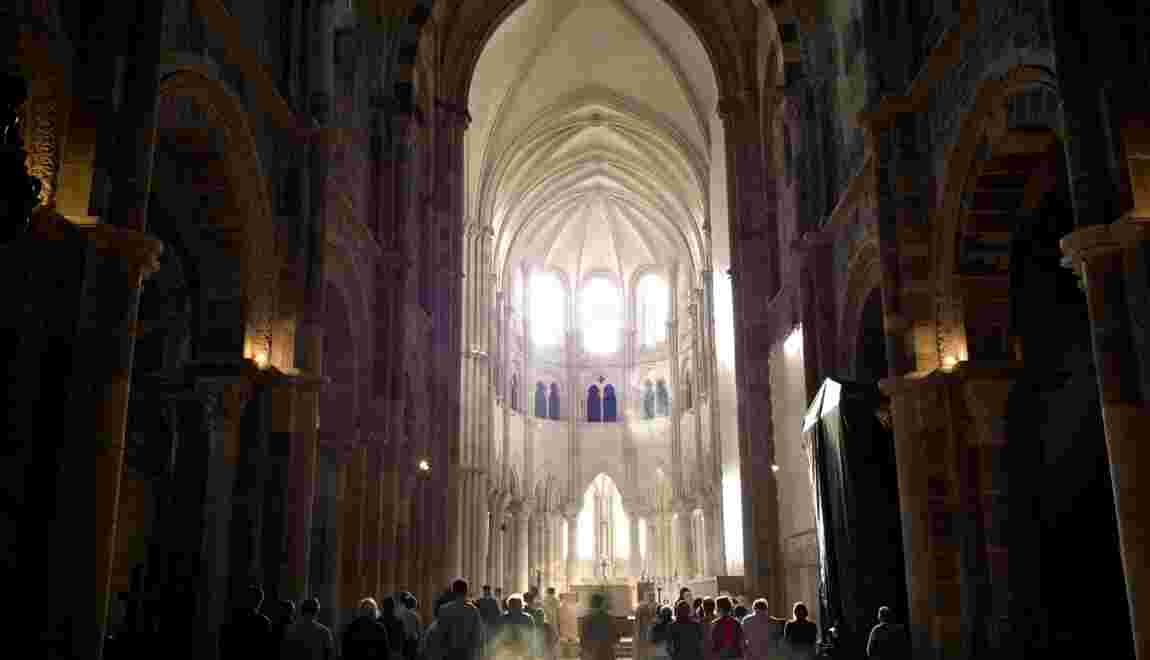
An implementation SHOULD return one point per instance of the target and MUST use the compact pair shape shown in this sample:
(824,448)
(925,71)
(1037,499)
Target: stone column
(635,564)
(352,527)
(572,545)
(685,552)
(1106,256)
(95,421)
(926,448)
(711,374)
(301,491)
(522,511)
(225,407)
(496,552)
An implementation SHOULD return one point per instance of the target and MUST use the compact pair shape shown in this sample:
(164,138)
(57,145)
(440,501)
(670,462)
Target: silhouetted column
(1106,255)
(91,456)
(301,490)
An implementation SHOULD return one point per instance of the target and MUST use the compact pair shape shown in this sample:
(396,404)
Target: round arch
(249,186)
(980,132)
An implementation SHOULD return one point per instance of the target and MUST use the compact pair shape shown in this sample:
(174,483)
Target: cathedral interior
(834,301)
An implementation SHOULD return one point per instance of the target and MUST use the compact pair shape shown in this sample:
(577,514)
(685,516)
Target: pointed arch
(594,405)
(553,409)
(610,407)
(541,400)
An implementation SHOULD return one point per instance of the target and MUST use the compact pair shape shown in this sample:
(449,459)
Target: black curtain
(858,523)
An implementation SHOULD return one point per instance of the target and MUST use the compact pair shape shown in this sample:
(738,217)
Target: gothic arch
(245,174)
(717,31)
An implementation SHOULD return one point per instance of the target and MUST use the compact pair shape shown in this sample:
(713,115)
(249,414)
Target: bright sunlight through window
(547,302)
(602,316)
(652,310)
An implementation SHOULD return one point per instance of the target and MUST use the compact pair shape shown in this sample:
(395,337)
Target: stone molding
(137,250)
(1093,241)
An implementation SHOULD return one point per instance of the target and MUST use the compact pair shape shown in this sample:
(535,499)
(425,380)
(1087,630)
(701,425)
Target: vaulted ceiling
(590,134)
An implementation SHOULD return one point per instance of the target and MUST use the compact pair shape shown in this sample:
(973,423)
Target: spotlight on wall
(261,359)
(949,362)
(424,465)
(774,467)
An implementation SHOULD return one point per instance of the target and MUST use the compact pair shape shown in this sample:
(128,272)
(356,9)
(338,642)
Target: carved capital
(1098,240)
(138,251)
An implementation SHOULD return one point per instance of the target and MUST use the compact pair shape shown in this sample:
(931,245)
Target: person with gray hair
(888,640)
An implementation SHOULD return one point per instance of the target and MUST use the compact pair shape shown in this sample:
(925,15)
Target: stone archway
(221,124)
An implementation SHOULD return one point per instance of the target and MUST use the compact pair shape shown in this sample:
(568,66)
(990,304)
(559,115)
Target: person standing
(597,634)
(459,629)
(308,639)
(489,609)
(551,608)
(685,635)
(888,640)
(517,632)
(759,632)
(249,633)
(366,638)
(644,618)
(412,626)
(800,634)
(726,632)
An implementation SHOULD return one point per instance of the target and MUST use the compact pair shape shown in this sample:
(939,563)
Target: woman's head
(800,610)
(760,605)
(884,614)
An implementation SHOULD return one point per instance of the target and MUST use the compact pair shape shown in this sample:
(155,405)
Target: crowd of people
(526,627)
(723,629)
(519,627)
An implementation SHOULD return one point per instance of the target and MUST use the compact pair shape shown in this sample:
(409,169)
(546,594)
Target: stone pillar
(522,511)
(754,279)
(95,421)
(635,564)
(225,407)
(711,374)
(572,546)
(352,528)
(685,540)
(304,403)
(1106,257)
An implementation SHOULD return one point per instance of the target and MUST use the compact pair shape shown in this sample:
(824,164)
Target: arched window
(688,397)
(541,400)
(610,412)
(648,400)
(601,315)
(651,301)
(515,392)
(548,302)
(594,405)
(553,401)
(662,399)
